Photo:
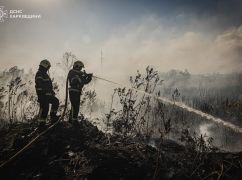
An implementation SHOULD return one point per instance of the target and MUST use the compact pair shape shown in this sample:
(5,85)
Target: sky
(200,36)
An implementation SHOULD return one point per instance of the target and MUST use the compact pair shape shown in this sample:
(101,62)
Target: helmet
(78,65)
(45,63)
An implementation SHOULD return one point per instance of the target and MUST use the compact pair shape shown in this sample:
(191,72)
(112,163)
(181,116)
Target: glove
(89,77)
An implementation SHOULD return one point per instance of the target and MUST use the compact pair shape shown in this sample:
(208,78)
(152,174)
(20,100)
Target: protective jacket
(77,79)
(43,83)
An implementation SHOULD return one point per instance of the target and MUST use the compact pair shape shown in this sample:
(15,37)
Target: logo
(16,14)
(3,14)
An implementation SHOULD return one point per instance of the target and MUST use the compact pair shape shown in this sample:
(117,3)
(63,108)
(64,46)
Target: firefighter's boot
(53,117)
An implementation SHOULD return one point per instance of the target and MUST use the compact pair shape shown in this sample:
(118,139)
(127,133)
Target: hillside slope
(82,151)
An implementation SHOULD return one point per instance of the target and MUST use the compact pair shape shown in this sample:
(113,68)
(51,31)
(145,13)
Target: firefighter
(77,79)
(45,93)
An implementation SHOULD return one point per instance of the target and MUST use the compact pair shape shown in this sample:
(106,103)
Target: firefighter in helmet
(45,93)
(77,79)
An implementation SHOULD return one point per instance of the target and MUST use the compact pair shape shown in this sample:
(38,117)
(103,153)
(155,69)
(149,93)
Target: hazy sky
(203,36)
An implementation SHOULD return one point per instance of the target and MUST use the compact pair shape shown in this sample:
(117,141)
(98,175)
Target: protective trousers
(75,105)
(44,101)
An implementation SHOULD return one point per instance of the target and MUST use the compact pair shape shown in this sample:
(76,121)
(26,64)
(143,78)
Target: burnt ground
(81,151)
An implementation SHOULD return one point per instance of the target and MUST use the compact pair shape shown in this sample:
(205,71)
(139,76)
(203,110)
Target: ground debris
(81,151)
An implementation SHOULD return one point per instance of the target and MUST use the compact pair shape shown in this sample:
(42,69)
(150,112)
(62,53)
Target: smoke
(149,42)
(194,44)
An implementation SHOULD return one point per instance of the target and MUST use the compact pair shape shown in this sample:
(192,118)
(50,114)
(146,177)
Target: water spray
(181,105)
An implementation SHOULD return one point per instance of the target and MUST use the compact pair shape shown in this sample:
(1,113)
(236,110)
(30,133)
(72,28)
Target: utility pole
(101,62)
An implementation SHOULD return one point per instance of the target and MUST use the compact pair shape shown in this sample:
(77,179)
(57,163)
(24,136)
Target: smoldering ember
(121,90)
